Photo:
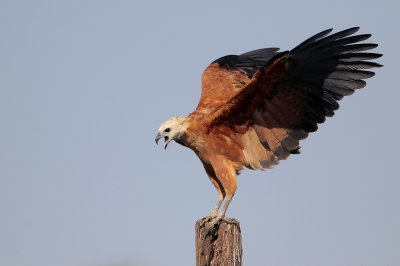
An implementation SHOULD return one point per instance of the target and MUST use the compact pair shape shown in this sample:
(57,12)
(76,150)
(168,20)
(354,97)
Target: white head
(172,129)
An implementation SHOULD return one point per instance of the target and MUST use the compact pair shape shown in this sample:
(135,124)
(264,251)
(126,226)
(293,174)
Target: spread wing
(226,76)
(288,96)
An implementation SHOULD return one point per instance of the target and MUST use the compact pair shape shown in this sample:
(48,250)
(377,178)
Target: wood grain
(220,245)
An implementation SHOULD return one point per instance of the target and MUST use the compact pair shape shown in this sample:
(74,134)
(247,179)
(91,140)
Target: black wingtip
(312,39)
(353,29)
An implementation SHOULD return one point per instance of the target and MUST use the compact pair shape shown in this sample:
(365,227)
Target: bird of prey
(255,107)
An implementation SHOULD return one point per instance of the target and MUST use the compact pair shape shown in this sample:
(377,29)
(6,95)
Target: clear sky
(84,86)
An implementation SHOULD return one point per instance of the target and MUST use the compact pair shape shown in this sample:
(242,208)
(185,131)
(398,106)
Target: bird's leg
(222,213)
(224,179)
(214,220)
(214,212)
(221,193)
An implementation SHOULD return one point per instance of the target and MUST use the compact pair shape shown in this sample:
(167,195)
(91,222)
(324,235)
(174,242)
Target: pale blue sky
(84,86)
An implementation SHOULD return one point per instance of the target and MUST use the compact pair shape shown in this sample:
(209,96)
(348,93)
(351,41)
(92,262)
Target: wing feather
(226,76)
(292,92)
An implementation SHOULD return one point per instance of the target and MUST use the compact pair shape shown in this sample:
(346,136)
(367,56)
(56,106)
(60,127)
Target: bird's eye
(167,130)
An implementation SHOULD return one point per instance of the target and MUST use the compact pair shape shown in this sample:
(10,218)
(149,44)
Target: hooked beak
(166,139)
(158,137)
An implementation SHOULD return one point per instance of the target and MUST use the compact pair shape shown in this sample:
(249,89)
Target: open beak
(166,138)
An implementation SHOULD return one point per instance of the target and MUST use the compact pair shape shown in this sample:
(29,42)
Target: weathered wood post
(220,245)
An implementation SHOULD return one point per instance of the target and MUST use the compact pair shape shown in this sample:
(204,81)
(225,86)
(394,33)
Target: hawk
(255,107)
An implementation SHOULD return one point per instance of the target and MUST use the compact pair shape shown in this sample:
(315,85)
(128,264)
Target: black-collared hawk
(255,107)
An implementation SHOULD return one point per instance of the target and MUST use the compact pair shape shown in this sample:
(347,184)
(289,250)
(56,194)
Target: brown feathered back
(274,100)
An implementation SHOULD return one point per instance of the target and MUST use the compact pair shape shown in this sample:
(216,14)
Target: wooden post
(220,245)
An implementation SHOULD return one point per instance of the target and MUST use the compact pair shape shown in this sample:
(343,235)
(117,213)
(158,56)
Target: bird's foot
(213,221)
